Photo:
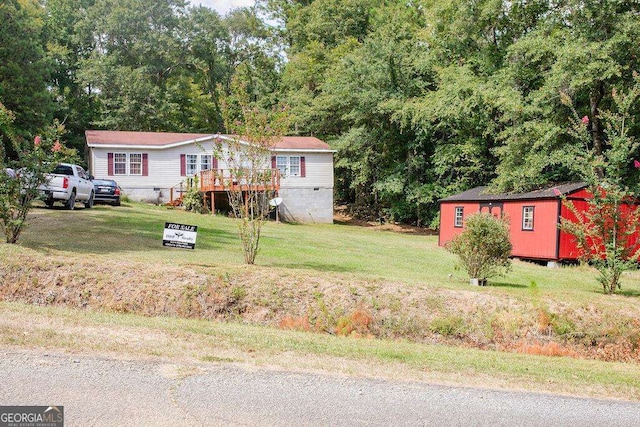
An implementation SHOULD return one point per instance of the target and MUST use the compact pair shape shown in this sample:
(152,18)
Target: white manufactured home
(154,166)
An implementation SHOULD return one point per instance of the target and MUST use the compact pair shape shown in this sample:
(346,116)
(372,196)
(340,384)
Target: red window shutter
(110,164)
(183,165)
(215,163)
(303,167)
(145,164)
(273,162)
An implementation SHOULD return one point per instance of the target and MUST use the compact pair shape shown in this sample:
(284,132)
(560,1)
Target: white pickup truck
(68,183)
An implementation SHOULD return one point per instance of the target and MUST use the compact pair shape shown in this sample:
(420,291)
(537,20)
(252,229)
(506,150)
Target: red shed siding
(539,243)
(545,241)
(447,218)
(568,248)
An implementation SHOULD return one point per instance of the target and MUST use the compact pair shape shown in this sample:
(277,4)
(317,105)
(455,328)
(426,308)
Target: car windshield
(63,170)
(104,182)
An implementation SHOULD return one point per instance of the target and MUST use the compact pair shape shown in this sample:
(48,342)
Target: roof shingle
(160,139)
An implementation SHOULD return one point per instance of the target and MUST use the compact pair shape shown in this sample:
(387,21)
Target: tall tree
(580,49)
(255,56)
(209,68)
(68,43)
(24,69)
(137,52)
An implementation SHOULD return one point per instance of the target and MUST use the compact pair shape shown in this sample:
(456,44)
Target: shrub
(194,201)
(448,326)
(483,247)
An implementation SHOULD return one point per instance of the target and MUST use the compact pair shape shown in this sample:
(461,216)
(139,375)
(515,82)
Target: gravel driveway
(112,392)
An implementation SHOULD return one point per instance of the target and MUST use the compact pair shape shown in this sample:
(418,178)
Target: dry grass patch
(323,302)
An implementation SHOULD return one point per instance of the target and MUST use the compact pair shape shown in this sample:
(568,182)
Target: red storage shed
(533,217)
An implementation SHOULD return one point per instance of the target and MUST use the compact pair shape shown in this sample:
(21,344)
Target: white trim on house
(301,150)
(155,146)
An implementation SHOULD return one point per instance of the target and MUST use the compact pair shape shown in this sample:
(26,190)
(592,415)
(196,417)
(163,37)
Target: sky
(223,6)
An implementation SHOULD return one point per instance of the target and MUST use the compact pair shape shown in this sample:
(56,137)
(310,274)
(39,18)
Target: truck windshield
(63,170)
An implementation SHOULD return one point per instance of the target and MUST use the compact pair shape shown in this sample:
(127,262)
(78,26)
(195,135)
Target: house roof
(481,194)
(159,140)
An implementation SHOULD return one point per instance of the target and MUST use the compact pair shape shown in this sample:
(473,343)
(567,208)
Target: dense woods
(420,99)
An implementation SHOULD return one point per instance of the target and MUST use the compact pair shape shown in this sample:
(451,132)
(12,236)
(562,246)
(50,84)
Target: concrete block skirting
(314,205)
(147,195)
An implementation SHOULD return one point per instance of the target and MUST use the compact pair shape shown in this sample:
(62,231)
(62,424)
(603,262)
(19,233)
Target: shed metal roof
(482,194)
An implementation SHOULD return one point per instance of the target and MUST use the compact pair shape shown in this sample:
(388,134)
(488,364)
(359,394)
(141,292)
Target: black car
(106,191)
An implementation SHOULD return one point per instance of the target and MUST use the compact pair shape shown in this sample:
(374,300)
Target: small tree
(248,158)
(483,247)
(606,233)
(19,188)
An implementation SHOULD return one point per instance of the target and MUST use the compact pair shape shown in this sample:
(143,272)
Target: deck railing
(226,180)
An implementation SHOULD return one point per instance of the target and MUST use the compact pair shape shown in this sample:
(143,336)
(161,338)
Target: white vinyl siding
(318,171)
(164,167)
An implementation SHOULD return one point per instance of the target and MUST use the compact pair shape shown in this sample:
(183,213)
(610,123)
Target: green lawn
(134,231)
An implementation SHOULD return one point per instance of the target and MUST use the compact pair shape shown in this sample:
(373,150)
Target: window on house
(527,218)
(135,164)
(119,163)
(281,163)
(294,166)
(459,216)
(205,162)
(191,164)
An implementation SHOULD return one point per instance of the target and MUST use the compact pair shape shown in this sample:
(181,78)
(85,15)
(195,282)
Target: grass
(134,232)
(190,341)
(316,277)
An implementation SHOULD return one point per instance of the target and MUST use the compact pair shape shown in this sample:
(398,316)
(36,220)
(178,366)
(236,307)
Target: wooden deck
(223,180)
(214,181)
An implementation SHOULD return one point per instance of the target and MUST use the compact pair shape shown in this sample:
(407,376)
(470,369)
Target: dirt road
(98,391)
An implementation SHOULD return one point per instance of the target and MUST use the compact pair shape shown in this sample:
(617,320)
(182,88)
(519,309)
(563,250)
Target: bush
(194,201)
(484,247)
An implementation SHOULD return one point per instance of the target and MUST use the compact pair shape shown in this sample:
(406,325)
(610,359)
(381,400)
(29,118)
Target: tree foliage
(20,178)
(24,69)
(606,232)
(420,99)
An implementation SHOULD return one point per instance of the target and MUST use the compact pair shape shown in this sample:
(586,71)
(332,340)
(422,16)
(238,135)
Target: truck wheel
(89,203)
(71,203)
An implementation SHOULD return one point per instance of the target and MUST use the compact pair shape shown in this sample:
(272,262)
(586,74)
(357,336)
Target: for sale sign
(179,235)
